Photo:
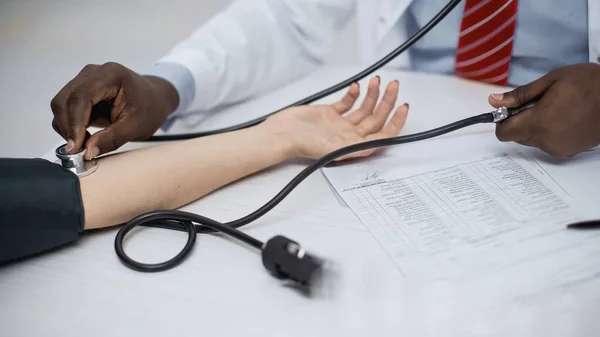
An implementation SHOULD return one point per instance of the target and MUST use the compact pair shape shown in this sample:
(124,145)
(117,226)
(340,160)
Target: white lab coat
(256,45)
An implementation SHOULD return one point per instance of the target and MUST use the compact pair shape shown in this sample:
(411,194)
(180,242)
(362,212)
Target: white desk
(222,289)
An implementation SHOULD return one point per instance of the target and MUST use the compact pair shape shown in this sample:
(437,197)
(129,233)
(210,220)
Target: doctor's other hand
(565,121)
(127,105)
(315,130)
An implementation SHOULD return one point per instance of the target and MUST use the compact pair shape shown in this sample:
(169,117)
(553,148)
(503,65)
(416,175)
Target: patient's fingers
(393,127)
(363,153)
(390,130)
(396,123)
(388,101)
(347,102)
(368,103)
(374,122)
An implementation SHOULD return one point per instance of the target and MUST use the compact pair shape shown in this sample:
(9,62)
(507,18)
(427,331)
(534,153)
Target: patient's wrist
(278,141)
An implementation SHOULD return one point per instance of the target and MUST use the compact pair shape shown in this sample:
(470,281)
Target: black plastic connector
(287,260)
(519,109)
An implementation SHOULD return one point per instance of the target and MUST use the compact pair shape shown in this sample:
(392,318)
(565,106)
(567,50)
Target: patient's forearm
(172,175)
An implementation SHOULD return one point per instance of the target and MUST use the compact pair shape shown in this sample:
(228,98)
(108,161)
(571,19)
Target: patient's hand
(315,130)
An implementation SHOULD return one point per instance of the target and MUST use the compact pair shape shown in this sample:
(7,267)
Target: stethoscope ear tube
(294,264)
(331,90)
(283,257)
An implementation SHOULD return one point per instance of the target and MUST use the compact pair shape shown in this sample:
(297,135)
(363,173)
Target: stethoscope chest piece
(75,162)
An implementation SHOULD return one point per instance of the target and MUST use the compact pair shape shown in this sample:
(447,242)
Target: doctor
(546,48)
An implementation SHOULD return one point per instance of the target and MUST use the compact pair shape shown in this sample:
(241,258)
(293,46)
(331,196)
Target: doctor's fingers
(72,106)
(112,137)
(375,121)
(368,104)
(59,102)
(517,128)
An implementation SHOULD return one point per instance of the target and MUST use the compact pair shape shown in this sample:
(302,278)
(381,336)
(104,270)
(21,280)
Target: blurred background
(45,43)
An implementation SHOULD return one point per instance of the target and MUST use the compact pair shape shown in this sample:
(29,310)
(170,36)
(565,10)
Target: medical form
(469,207)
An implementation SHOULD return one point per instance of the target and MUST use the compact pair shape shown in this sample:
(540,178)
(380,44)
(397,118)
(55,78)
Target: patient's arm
(172,175)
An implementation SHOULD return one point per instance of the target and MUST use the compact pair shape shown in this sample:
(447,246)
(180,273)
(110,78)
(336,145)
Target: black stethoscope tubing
(331,90)
(194,224)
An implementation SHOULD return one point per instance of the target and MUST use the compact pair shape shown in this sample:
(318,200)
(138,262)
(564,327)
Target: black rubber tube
(178,220)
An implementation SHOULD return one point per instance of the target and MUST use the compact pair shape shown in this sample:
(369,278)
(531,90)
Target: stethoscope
(283,257)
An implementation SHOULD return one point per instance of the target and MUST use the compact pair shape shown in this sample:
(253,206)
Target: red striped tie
(486,40)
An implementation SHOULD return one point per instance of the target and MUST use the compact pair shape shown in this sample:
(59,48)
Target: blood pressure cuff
(40,207)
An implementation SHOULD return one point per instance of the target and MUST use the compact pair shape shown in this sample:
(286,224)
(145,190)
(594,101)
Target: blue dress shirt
(549,34)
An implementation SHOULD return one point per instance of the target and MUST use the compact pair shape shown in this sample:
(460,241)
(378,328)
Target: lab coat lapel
(391,11)
(594,30)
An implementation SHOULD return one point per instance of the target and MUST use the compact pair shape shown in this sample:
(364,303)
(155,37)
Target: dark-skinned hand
(566,120)
(127,105)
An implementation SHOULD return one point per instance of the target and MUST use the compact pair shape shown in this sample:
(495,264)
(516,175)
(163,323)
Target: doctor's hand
(316,130)
(566,120)
(128,106)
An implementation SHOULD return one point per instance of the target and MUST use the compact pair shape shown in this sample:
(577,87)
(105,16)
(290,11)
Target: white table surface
(222,289)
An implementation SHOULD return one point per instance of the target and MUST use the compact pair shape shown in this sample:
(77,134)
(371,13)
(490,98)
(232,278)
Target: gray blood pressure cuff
(40,207)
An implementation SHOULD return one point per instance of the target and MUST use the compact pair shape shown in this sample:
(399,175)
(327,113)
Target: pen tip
(589,224)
